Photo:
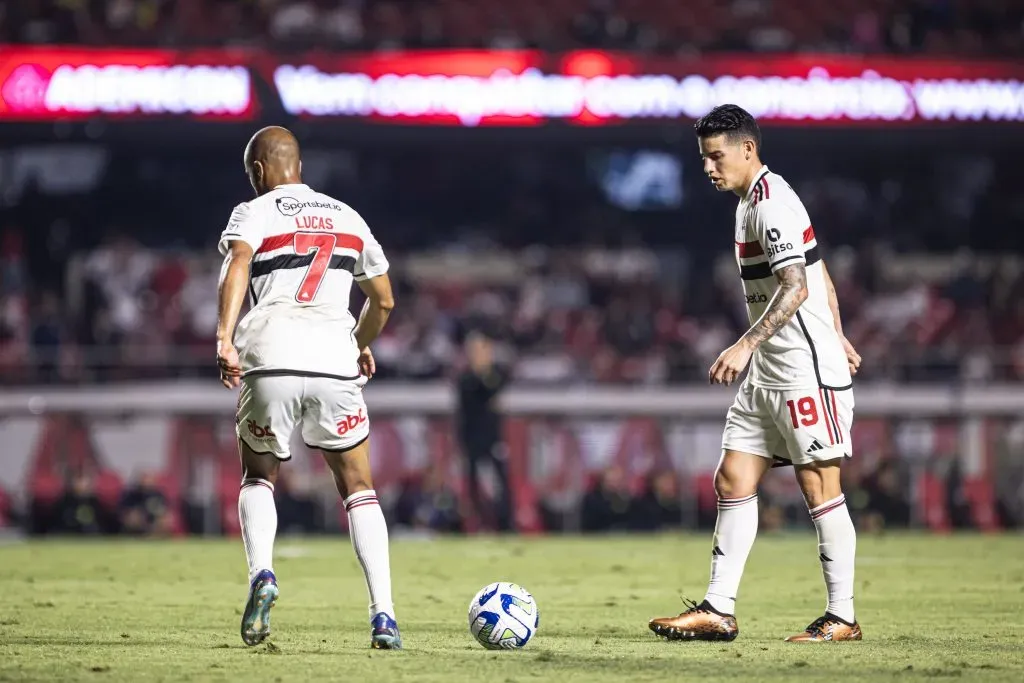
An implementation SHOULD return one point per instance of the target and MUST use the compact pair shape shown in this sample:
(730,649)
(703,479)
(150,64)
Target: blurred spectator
(658,506)
(144,509)
(882,501)
(428,503)
(607,504)
(80,511)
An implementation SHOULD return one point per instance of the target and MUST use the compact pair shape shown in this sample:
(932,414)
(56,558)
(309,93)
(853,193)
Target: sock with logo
(837,548)
(369,534)
(735,532)
(257,514)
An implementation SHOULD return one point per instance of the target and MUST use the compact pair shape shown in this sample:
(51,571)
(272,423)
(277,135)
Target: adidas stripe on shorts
(797,425)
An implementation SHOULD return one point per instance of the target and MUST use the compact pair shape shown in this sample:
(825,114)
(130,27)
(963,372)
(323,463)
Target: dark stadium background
(590,247)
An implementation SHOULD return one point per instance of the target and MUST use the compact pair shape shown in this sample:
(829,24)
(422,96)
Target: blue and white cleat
(385,635)
(256,619)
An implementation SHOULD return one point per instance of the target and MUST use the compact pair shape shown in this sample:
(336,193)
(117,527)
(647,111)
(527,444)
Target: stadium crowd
(965,27)
(562,316)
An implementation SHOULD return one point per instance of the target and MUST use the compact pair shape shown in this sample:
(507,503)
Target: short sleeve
(781,233)
(371,262)
(243,225)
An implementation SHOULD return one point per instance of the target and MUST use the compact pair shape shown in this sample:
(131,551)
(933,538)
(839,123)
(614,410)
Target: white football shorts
(332,413)
(795,425)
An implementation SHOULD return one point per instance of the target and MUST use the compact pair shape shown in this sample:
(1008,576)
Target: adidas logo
(717,551)
(824,558)
(815,446)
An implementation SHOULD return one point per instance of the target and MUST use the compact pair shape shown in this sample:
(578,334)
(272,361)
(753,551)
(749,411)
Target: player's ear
(748,149)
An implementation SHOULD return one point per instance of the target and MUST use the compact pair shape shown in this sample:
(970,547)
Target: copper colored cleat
(700,622)
(828,628)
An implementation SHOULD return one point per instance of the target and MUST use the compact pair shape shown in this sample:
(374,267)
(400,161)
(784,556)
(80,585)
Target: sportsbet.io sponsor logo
(757,298)
(290,206)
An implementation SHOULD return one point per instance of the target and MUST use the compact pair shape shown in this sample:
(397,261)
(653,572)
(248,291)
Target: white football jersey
(773,231)
(307,248)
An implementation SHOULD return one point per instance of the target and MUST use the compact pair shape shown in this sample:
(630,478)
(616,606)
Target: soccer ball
(503,616)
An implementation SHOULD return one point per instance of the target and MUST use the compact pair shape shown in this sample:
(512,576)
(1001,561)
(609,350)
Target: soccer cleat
(699,622)
(827,628)
(256,619)
(384,634)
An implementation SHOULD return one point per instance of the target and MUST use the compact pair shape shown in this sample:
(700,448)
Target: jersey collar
(760,174)
(287,186)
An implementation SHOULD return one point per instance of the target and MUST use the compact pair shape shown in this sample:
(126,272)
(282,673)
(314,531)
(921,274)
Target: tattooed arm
(791,293)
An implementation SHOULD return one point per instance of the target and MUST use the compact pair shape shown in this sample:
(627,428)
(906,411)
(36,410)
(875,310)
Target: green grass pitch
(930,606)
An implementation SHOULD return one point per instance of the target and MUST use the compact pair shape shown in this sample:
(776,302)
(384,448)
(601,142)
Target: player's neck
(286,181)
(755,170)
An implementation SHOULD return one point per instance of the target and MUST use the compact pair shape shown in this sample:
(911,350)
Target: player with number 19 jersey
(307,248)
(796,404)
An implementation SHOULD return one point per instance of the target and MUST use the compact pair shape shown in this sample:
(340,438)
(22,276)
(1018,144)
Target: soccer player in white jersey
(301,359)
(795,405)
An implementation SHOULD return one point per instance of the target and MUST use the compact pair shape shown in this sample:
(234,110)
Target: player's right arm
(852,357)
(372,275)
(239,241)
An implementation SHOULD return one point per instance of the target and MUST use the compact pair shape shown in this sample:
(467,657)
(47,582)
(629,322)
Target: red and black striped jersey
(307,249)
(773,231)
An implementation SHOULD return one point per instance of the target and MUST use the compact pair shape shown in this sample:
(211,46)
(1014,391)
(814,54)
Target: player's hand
(731,363)
(230,368)
(367,365)
(852,357)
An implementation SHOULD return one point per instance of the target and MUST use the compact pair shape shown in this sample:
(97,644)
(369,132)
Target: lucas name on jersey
(314,223)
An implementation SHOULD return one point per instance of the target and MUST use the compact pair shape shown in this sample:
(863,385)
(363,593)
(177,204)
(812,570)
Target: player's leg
(736,482)
(496,454)
(266,411)
(818,442)
(748,441)
(336,422)
(369,532)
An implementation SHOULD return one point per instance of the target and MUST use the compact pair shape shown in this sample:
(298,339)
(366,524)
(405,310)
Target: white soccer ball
(503,616)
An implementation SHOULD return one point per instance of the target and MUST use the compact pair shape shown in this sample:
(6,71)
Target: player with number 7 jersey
(300,361)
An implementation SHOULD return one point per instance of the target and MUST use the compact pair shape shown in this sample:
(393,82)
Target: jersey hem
(811,384)
(283,372)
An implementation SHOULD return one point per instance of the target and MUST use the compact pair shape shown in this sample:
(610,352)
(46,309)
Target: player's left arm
(234,279)
(852,357)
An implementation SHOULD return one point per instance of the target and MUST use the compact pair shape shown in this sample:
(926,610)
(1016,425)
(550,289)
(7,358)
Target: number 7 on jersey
(321,245)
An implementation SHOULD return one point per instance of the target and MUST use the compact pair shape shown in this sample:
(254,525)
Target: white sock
(257,514)
(837,548)
(735,532)
(369,534)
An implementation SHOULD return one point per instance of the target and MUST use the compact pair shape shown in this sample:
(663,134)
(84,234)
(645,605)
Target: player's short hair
(730,120)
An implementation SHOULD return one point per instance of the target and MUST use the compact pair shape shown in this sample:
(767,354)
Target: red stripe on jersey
(764,184)
(808,234)
(279,241)
(749,249)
